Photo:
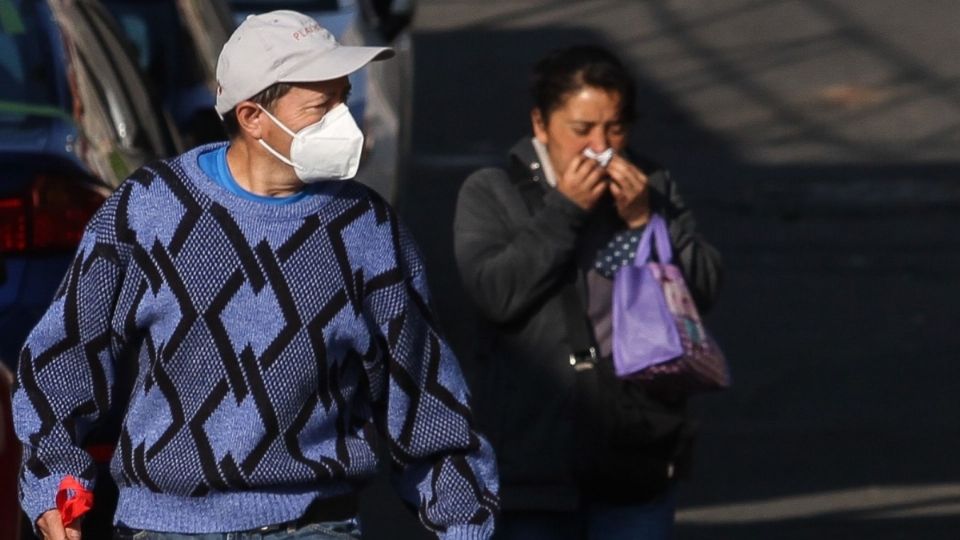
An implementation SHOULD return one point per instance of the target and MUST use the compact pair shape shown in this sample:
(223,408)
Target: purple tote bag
(658,337)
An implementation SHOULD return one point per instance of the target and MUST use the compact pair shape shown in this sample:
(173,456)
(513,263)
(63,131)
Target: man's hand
(581,182)
(51,527)
(629,190)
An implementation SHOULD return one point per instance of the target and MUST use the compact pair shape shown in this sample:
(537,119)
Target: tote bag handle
(654,236)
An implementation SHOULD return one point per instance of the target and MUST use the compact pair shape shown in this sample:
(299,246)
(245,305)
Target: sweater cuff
(467,532)
(41,495)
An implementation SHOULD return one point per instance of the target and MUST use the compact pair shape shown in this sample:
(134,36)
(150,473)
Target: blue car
(75,119)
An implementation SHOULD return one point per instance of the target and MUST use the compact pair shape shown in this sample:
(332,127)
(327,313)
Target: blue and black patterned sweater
(263,344)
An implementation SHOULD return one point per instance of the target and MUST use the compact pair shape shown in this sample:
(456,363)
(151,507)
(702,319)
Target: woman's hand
(629,189)
(51,527)
(582,182)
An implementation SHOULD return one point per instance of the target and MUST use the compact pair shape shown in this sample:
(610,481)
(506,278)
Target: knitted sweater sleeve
(445,468)
(66,371)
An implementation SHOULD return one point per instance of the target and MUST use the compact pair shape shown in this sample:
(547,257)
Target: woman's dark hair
(565,71)
(266,98)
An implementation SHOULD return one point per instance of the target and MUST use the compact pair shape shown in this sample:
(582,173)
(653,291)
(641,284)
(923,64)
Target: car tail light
(50,216)
(13,225)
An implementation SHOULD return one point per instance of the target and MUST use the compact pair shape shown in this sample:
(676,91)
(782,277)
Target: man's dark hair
(565,71)
(267,98)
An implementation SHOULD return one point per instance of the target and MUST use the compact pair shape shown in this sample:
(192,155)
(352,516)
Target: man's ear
(249,117)
(539,126)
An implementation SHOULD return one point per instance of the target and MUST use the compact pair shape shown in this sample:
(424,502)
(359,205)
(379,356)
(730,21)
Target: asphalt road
(819,144)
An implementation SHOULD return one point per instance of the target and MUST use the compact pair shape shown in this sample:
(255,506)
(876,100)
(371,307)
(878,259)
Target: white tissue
(603,158)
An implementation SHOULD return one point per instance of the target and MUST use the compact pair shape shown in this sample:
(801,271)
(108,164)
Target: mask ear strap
(270,149)
(277,122)
(277,155)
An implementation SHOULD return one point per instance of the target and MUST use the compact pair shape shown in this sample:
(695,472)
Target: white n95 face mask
(327,150)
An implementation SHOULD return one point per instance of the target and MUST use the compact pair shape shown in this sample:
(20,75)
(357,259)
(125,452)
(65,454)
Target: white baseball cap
(283,46)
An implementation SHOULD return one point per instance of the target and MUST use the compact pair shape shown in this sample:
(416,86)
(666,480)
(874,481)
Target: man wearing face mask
(255,319)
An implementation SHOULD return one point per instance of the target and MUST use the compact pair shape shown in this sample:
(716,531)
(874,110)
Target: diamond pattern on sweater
(247,309)
(153,222)
(263,349)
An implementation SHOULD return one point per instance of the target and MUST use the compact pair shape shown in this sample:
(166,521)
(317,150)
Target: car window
(100,148)
(210,23)
(99,74)
(118,129)
(158,36)
(141,125)
(27,81)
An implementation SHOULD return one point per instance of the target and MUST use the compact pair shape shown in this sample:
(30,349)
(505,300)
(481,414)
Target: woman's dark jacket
(562,433)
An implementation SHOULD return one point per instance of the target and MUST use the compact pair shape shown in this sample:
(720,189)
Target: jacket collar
(524,161)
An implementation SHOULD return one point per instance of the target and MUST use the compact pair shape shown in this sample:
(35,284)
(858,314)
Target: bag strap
(655,236)
(578,334)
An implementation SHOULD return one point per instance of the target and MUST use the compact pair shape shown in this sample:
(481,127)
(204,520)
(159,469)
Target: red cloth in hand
(73,500)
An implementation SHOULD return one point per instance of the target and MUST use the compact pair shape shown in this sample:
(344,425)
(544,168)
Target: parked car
(176,44)
(75,119)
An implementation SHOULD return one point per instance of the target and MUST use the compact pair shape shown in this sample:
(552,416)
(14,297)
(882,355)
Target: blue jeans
(652,520)
(331,530)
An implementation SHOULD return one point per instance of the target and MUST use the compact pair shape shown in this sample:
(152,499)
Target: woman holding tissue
(581,453)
